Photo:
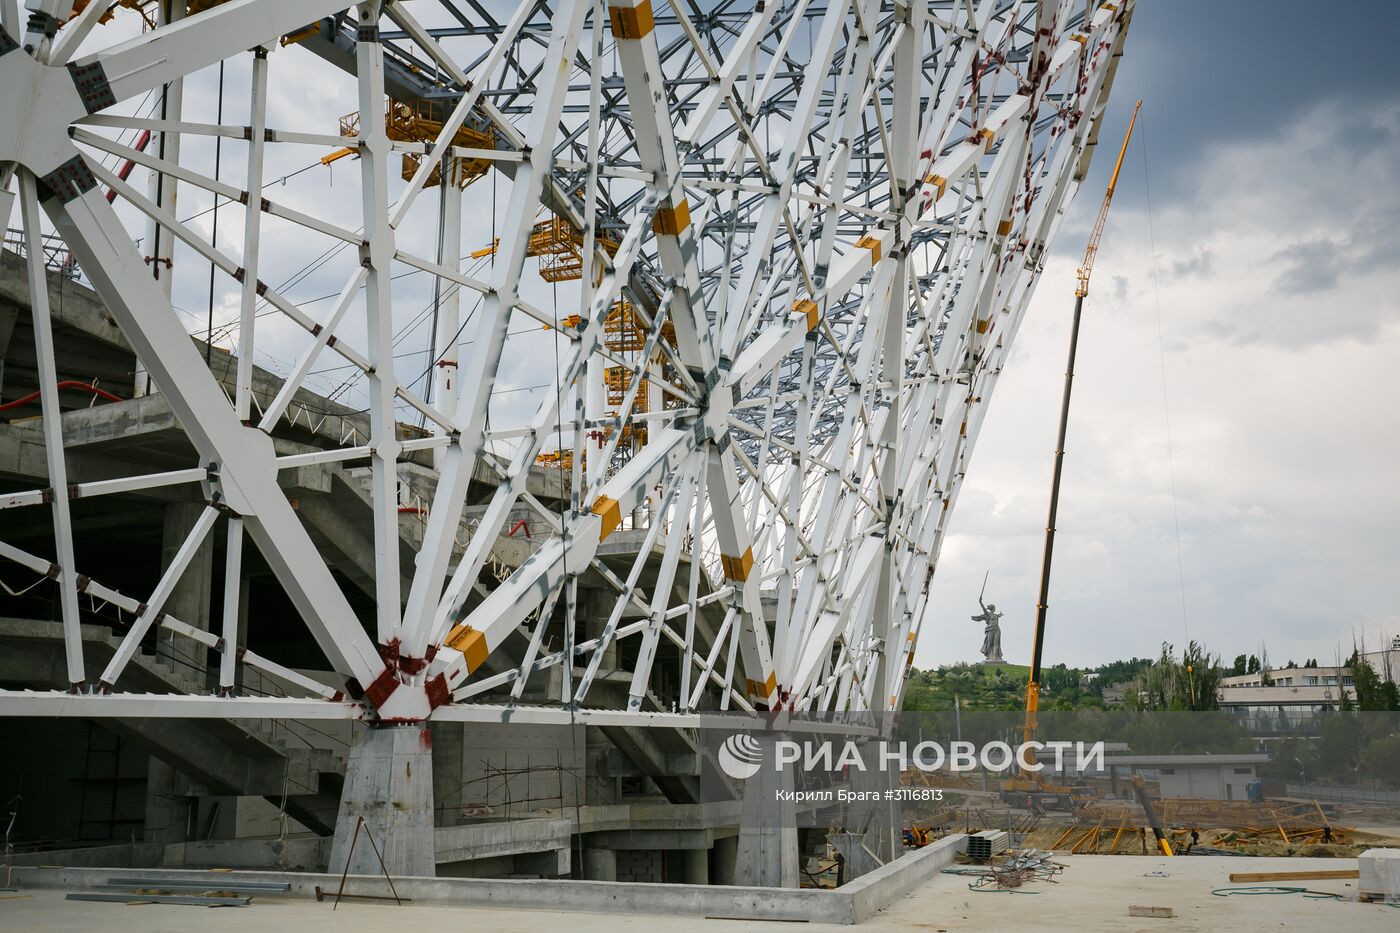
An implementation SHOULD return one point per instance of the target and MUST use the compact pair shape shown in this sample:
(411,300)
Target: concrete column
(167,813)
(722,858)
(890,826)
(695,866)
(593,613)
(388,782)
(767,854)
(448,740)
(189,602)
(599,864)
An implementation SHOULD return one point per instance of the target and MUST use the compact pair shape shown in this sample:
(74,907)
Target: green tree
(1370,694)
(1240,665)
(1381,760)
(1252,666)
(1187,684)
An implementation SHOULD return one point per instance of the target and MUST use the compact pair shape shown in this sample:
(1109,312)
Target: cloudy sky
(1265,323)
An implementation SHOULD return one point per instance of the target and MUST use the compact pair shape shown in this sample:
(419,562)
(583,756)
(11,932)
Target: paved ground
(1093,893)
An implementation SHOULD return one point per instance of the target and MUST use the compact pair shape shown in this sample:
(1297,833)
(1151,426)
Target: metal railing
(57,258)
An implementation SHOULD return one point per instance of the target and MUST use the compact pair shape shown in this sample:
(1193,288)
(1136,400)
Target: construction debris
(197,900)
(211,893)
(1205,827)
(1011,872)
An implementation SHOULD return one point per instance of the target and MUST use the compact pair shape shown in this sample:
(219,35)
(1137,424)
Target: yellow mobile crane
(1030,788)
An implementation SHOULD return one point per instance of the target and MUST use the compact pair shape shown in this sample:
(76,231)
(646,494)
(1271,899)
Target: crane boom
(1081,290)
(1091,249)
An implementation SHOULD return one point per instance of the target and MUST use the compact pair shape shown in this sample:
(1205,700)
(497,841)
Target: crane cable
(1166,409)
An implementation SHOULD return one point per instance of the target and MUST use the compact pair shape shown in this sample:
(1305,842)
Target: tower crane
(1030,787)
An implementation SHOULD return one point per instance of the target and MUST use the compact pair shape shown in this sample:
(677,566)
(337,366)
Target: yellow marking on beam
(869,242)
(632,22)
(610,512)
(808,307)
(670,221)
(471,642)
(764,688)
(737,568)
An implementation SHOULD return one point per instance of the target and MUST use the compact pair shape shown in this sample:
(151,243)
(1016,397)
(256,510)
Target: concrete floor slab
(1093,894)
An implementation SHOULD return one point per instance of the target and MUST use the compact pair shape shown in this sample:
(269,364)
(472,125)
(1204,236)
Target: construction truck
(1030,790)
(1035,793)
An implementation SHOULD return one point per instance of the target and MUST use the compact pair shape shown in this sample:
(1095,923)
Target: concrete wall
(505,766)
(45,762)
(641,865)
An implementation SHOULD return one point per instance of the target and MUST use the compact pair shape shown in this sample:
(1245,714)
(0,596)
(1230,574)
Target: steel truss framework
(829,217)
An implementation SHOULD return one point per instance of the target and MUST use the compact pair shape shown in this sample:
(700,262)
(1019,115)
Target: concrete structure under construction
(625,382)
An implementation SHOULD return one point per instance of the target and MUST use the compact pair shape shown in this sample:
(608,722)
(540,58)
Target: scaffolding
(422,121)
(147,9)
(559,246)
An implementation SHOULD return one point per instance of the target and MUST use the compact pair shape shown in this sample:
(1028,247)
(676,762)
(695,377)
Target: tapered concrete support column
(881,815)
(891,830)
(767,855)
(389,782)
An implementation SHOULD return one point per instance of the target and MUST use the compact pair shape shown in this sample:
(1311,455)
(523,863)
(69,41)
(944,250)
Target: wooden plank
(1294,875)
(1162,912)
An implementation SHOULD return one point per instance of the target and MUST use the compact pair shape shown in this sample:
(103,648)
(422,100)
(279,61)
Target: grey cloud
(1120,289)
(1199,264)
(1310,267)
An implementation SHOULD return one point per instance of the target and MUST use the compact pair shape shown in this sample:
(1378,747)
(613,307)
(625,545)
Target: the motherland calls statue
(991,638)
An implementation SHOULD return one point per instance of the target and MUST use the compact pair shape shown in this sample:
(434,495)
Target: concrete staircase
(236,757)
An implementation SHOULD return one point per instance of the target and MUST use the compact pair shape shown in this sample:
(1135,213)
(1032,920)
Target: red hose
(65,384)
(517,527)
(129,164)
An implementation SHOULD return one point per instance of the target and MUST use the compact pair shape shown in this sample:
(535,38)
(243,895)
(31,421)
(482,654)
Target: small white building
(1291,700)
(1201,777)
(1293,677)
